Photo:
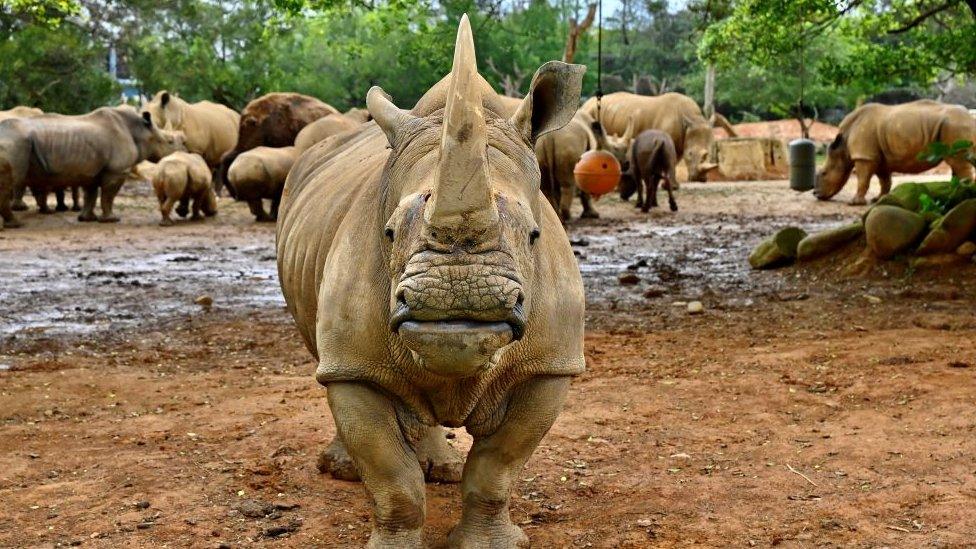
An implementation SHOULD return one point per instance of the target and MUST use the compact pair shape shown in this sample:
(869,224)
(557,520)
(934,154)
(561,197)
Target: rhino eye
(389,233)
(534,235)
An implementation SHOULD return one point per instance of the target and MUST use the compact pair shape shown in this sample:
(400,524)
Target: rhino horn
(462,195)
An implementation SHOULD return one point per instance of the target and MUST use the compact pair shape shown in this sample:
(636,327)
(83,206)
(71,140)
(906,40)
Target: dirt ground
(799,410)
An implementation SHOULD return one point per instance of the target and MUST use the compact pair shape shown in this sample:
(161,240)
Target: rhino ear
(838,142)
(552,100)
(164,100)
(388,116)
(147,119)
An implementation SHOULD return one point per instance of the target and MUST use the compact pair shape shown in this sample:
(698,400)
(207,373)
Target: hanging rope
(599,62)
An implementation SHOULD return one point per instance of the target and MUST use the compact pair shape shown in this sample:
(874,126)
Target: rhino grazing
(94,151)
(418,258)
(673,113)
(651,159)
(881,140)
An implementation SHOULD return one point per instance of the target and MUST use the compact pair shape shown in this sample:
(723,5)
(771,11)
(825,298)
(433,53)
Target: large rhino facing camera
(435,286)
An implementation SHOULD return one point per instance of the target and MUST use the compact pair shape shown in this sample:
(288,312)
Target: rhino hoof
(87,218)
(76,208)
(502,535)
(335,461)
(166,223)
(108,219)
(858,201)
(45,211)
(61,208)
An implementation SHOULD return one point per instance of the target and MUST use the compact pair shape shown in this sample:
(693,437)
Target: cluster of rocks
(907,222)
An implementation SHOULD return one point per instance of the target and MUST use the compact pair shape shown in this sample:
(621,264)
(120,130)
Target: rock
(695,308)
(892,230)
(653,292)
(949,232)
(280,530)
(204,301)
(967,248)
(252,508)
(936,261)
(141,505)
(824,242)
(628,279)
(778,250)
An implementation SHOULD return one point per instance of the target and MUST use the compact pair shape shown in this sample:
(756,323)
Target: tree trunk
(575,29)
(709,106)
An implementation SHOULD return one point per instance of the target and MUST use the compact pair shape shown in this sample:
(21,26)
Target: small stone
(681,455)
(579,242)
(967,248)
(695,308)
(252,508)
(628,279)
(141,505)
(654,292)
(145,525)
(872,299)
(280,530)
(204,301)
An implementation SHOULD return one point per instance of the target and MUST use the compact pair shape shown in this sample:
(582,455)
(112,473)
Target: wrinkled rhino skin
(673,113)
(210,128)
(272,120)
(95,151)
(260,174)
(380,230)
(558,153)
(882,140)
(184,178)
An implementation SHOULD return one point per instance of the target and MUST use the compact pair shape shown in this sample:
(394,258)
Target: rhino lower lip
(515,319)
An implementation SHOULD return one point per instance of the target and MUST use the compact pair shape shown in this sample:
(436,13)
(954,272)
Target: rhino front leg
(497,458)
(90,195)
(111,184)
(367,423)
(40,196)
(864,170)
(75,202)
(257,209)
(438,459)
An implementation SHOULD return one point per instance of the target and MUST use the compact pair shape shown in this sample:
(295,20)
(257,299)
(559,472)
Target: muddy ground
(800,410)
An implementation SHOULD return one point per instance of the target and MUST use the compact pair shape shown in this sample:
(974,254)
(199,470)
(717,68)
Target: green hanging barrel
(803,164)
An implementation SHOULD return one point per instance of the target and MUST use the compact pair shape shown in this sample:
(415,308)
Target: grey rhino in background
(419,260)
(94,151)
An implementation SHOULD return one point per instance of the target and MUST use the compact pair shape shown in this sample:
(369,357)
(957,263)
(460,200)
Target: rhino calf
(184,178)
(651,159)
(417,257)
(886,139)
(260,174)
(94,151)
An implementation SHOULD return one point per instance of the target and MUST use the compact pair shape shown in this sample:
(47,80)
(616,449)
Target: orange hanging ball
(597,173)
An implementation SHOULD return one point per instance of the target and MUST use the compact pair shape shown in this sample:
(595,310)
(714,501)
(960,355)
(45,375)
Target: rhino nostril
(520,300)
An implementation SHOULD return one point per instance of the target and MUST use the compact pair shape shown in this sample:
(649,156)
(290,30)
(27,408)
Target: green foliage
(888,43)
(957,189)
(58,69)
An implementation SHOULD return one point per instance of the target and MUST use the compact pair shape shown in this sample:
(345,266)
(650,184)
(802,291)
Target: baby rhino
(258,174)
(182,177)
(652,157)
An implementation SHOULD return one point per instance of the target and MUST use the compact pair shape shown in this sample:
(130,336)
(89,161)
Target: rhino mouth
(514,320)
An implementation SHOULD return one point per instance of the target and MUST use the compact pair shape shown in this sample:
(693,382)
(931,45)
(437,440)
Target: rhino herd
(417,249)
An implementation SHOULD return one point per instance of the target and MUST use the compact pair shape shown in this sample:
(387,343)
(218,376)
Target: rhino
(651,160)
(272,120)
(18,204)
(558,153)
(417,258)
(260,174)
(210,128)
(184,177)
(95,151)
(881,140)
(323,128)
(357,114)
(676,114)
(20,112)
